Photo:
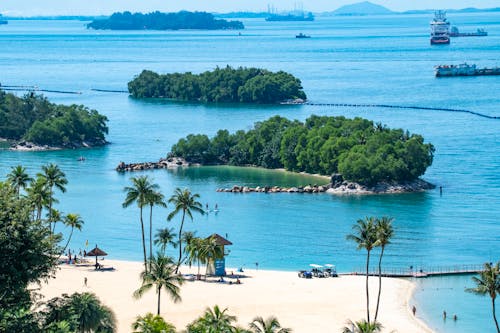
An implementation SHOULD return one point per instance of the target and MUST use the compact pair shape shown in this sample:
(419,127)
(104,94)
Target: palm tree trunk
(159,291)
(494,315)
(67,243)
(50,210)
(143,243)
(180,242)
(150,233)
(367,292)
(379,282)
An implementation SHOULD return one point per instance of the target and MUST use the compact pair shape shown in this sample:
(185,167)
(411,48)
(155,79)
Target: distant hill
(362,8)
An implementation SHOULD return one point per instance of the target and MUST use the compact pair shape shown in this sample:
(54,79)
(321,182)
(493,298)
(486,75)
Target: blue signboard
(220,267)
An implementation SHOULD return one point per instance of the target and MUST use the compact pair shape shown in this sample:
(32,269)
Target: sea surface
(379,60)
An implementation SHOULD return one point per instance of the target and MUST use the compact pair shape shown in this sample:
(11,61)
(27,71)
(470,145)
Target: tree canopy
(33,118)
(357,148)
(222,85)
(163,21)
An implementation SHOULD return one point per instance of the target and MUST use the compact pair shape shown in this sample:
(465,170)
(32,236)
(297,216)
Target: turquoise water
(348,59)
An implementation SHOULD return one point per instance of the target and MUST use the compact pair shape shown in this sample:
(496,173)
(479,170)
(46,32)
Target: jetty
(422,272)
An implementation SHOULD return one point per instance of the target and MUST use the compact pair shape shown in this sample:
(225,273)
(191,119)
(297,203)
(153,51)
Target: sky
(106,7)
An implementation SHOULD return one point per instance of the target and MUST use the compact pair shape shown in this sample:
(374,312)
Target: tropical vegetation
(488,283)
(152,324)
(33,118)
(357,148)
(163,21)
(222,85)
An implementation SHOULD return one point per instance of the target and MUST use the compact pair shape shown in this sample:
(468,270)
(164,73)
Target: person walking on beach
(85,281)
(444,314)
(414,310)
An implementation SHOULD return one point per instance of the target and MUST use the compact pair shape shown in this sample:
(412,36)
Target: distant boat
(301,35)
(464,70)
(290,17)
(478,33)
(440,29)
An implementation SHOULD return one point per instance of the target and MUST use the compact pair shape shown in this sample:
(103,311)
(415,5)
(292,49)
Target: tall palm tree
(75,222)
(161,276)
(269,325)
(152,324)
(38,195)
(362,326)
(90,314)
(154,198)
(488,283)
(19,178)
(164,237)
(138,193)
(194,252)
(53,177)
(384,231)
(186,203)
(365,237)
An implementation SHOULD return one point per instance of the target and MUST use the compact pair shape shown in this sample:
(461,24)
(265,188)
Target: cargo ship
(478,33)
(440,29)
(464,70)
(301,35)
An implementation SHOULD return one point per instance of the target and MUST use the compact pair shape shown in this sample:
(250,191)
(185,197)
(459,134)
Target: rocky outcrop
(163,163)
(275,189)
(30,146)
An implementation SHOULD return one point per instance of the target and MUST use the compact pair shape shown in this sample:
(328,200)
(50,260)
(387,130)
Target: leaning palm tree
(152,324)
(154,198)
(165,237)
(384,231)
(53,177)
(362,326)
(138,193)
(38,196)
(269,325)
(75,222)
(488,283)
(19,178)
(186,203)
(365,237)
(161,276)
(53,217)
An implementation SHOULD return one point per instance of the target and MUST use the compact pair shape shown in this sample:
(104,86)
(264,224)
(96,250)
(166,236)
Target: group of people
(414,310)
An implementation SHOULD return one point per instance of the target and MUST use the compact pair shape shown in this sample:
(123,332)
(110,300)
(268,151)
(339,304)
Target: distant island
(222,85)
(32,122)
(358,149)
(362,8)
(163,21)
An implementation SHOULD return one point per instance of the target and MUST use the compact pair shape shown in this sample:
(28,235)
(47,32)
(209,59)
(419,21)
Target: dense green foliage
(164,21)
(222,85)
(357,148)
(35,119)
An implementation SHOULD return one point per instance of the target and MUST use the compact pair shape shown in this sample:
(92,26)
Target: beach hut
(96,252)
(218,267)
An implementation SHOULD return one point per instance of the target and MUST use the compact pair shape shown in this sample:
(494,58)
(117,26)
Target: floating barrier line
(402,107)
(42,90)
(112,91)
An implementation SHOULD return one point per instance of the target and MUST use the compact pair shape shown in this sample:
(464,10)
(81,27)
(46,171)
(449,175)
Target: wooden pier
(422,272)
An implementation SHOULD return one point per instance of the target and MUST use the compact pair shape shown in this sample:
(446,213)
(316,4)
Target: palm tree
(161,276)
(19,178)
(138,193)
(154,198)
(164,237)
(53,217)
(362,326)
(38,195)
(488,283)
(75,222)
(366,237)
(384,231)
(90,314)
(215,321)
(269,325)
(152,324)
(186,202)
(53,177)
(194,252)
(210,251)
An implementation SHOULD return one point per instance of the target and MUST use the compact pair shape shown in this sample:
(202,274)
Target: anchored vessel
(301,35)
(464,70)
(440,29)
(456,33)
(296,16)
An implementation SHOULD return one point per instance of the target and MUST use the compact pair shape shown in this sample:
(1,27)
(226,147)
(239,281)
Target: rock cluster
(275,189)
(163,163)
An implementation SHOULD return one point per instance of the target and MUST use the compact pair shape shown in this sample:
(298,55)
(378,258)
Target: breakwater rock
(163,163)
(338,188)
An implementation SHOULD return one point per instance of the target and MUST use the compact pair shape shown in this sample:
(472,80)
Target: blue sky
(93,7)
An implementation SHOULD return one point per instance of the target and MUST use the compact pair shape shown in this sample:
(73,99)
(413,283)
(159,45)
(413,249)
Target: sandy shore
(305,305)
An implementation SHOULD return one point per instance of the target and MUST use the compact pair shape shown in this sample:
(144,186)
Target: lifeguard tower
(218,267)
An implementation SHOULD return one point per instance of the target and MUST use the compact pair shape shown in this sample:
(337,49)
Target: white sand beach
(305,305)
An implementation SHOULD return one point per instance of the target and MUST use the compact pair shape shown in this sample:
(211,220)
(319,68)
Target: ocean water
(383,60)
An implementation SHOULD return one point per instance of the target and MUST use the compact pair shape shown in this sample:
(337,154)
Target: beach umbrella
(96,252)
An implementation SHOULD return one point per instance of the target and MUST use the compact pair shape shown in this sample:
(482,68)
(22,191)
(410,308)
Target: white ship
(440,29)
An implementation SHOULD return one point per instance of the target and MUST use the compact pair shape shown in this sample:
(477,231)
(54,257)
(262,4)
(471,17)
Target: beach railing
(422,271)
